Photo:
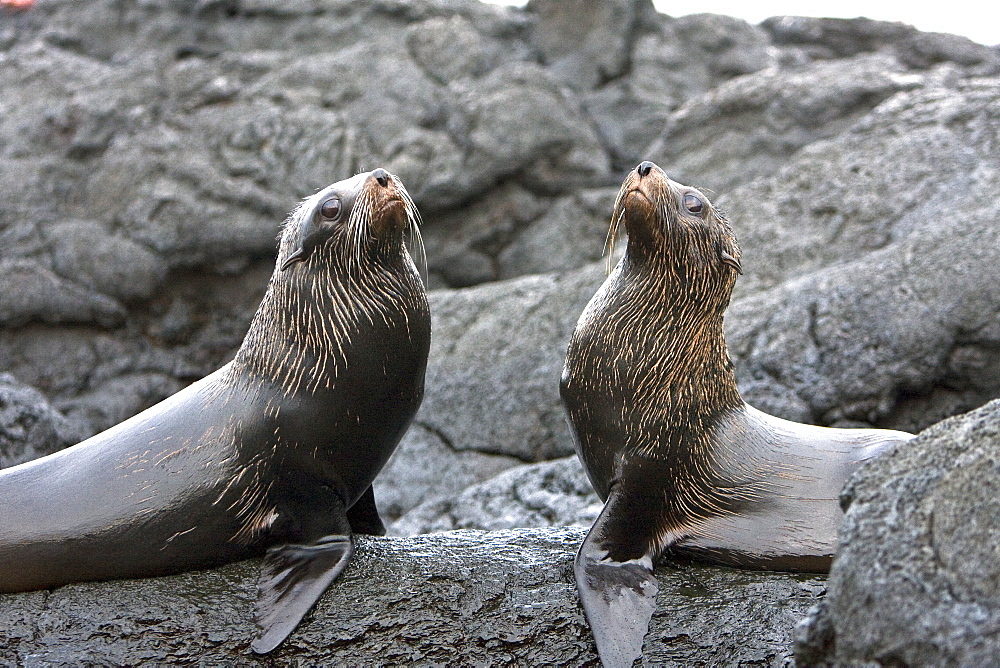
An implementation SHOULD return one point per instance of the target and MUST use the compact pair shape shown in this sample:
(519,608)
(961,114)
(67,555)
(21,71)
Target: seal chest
(681,461)
(274,454)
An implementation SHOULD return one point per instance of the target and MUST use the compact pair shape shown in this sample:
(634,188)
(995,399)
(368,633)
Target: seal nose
(381,176)
(644,167)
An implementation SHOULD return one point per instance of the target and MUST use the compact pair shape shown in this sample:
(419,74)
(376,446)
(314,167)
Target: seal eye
(330,209)
(693,203)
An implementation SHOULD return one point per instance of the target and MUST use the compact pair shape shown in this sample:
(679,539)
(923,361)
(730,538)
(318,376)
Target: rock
(673,60)
(519,120)
(749,127)
(467,598)
(553,493)
(496,356)
(425,467)
(110,264)
(29,426)
(465,242)
(449,49)
(827,38)
(571,234)
(857,226)
(30,292)
(915,580)
(587,42)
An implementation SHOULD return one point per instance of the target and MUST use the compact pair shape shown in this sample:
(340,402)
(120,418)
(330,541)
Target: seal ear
(292,578)
(298,256)
(730,261)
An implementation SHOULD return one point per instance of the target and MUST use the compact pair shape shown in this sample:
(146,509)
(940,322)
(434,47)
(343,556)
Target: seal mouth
(638,191)
(392,204)
(390,213)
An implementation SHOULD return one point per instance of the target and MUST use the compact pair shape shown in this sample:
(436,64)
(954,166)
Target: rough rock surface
(916,580)
(462,598)
(149,151)
(179,134)
(554,493)
(29,426)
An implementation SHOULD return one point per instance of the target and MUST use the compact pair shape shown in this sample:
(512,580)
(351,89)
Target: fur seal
(274,454)
(682,462)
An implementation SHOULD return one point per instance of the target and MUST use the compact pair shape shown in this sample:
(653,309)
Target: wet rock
(916,573)
(462,597)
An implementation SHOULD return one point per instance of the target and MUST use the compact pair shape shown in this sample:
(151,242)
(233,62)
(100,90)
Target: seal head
(336,212)
(683,463)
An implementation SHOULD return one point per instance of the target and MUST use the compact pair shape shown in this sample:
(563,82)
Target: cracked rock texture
(461,598)
(149,151)
(915,581)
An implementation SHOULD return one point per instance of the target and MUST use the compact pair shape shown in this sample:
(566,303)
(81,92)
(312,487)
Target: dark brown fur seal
(273,454)
(682,462)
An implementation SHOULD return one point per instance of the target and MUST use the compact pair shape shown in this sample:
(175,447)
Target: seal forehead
(348,188)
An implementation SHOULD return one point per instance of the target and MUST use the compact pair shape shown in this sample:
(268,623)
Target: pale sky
(978,20)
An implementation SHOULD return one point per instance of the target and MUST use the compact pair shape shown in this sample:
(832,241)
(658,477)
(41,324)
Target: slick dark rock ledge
(459,598)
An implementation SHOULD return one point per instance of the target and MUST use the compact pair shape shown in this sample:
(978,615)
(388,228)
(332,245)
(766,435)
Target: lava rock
(915,580)
(29,426)
(553,493)
(469,598)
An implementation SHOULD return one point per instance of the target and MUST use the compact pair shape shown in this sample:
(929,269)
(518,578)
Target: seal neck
(314,314)
(678,317)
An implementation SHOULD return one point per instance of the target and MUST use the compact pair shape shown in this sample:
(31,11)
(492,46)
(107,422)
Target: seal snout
(644,168)
(381,176)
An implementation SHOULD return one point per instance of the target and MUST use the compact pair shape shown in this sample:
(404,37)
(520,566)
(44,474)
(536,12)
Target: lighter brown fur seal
(683,463)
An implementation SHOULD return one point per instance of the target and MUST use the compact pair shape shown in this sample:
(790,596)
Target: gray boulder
(496,356)
(915,580)
(29,426)
(587,42)
(553,493)
(425,467)
(465,598)
(868,290)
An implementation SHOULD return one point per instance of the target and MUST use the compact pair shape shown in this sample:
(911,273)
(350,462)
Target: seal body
(274,453)
(683,463)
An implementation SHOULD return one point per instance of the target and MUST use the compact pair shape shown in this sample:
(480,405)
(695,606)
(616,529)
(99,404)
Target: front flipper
(614,576)
(363,515)
(292,578)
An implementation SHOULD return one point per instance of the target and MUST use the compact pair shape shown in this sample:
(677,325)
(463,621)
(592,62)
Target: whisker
(414,221)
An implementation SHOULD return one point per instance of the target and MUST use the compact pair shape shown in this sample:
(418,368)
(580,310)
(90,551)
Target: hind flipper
(614,576)
(363,515)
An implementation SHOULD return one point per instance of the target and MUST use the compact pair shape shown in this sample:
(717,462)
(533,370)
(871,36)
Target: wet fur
(683,464)
(277,448)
